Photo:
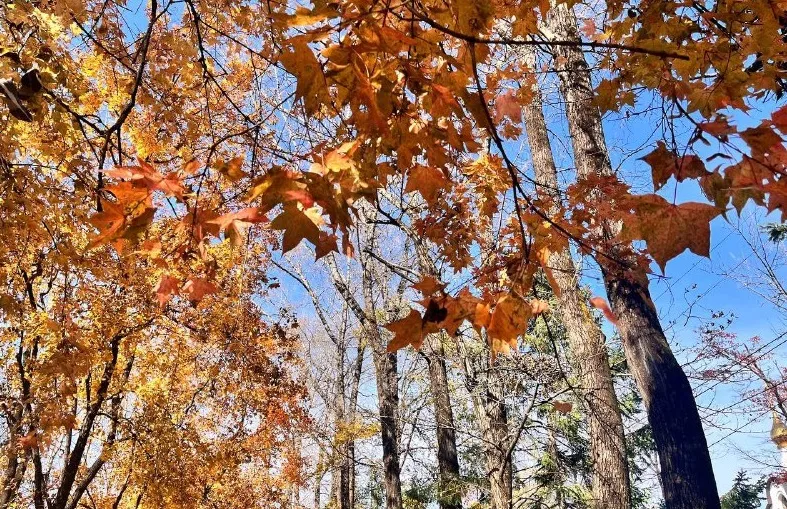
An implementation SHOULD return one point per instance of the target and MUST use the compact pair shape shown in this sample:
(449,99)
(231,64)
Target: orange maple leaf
(670,229)
(427,180)
(297,225)
(407,331)
(167,286)
(665,163)
(197,288)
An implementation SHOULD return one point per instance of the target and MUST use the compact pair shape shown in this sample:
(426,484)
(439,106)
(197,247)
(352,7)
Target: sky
(691,288)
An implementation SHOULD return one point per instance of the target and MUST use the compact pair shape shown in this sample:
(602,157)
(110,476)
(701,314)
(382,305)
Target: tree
(165,137)
(611,485)
(743,494)
(687,473)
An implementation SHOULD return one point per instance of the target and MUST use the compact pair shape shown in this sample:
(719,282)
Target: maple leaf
(542,255)
(279,186)
(246,215)
(602,305)
(779,119)
(149,177)
(761,139)
(777,197)
(197,288)
(110,223)
(443,101)
(509,319)
(311,85)
(426,180)
(665,163)
(409,330)
(716,188)
(235,223)
(482,315)
(458,309)
(231,169)
(297,225)
(746,181)
(127,193)
(304,16)
(507,105)
(719,128)
(670,229)
(325,244)
(191,167)
(428,285)
(166,287)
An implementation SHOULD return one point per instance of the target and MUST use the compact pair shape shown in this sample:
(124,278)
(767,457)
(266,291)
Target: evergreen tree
(744,494)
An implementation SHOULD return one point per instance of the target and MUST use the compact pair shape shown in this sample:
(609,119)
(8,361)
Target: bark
(447,457)
(611,487)
(385,365)
(318,475)
(356,383)
(14,470)
(388,401)
(341,477)
(491,414)
(498,453)
(686,470)
(72,465)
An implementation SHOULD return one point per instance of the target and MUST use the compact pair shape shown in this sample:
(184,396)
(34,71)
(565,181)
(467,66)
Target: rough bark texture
(356,383)
(447,457)
(610,483)
(498,453)
(341,477)
(388,401)
(686,470)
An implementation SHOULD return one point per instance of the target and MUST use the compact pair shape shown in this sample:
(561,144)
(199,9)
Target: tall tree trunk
(498,454)
(387,378)
(341,475)
(686,469)
(610,483)
(447,457)
(491,414)
(318,475)
(356,384)
(14,470)
(388,402)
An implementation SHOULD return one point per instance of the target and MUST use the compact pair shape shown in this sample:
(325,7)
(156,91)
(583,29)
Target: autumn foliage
(155,156)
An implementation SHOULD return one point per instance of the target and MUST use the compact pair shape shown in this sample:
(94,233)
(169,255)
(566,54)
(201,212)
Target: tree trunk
(686,469)
(387,380)
(356,383)
(498,452)
(489,408)
(341,474)
(610,483)
(388,402)
(447,457)
(318,475)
